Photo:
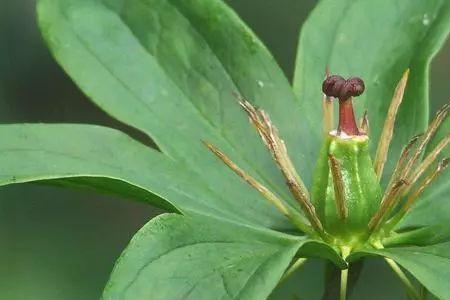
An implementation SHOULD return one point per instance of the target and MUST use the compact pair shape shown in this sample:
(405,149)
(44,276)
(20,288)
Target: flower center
(344,90)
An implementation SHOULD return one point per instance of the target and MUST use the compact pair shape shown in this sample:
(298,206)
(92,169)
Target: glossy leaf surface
(199,258)
(108,160)
(170,69)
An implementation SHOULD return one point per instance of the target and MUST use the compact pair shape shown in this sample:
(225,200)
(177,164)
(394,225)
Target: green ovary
(362,191)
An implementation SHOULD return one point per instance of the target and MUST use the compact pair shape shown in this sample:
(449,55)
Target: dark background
(62,244)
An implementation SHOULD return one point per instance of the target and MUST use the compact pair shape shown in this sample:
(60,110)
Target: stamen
(388,128)
(387,203)
(443,164)
(428,161)
(328,114)
(438,119)
(277,148)
(250,180)
(397,176)
(399,167)
(402,171)
(255,120)
(364,126)
(339,190)
(271,197)
(293,180)
(327,109)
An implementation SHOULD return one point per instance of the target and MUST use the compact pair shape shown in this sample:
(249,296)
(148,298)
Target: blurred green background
(62,244)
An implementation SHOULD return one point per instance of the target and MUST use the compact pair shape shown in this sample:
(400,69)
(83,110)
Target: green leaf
(177,257)
(110,161)
(430,265)
(170,68)
(378,41)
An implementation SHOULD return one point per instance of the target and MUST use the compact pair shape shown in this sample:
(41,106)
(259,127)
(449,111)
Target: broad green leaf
(176,257)
(170,68)
(378,41)
(430,265)
(108,160)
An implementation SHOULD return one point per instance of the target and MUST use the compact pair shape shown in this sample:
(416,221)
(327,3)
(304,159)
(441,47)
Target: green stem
(411,290)
(345,252)
(297,264)
(344,277)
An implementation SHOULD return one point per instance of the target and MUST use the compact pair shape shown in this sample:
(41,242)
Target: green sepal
(421,236)
(362,191)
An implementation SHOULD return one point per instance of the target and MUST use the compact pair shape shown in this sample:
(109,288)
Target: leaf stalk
(345,251)
(294,267)
(410,288)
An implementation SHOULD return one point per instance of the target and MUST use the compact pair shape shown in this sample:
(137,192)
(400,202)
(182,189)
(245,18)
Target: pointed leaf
(170,68)
(108,160)
(176,257)
(378,41)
